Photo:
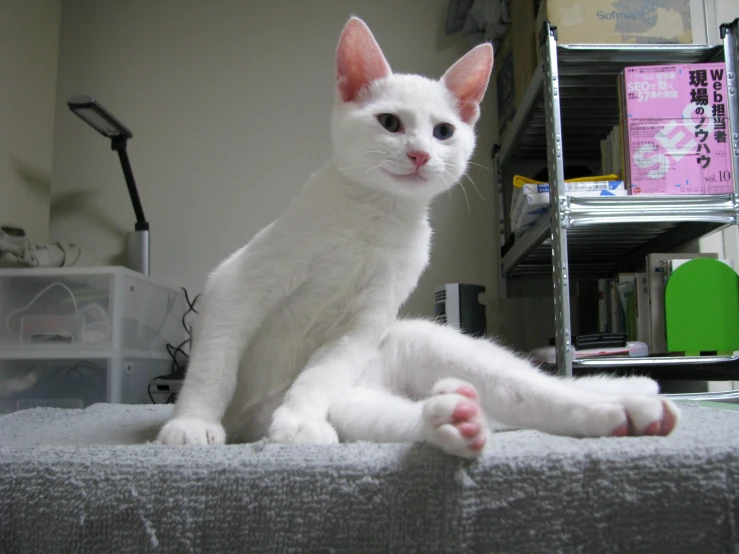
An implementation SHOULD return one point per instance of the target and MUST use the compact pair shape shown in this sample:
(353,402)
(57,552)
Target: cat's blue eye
(443,131)
(390,122)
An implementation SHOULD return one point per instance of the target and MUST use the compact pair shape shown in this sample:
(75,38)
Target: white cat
(298,338)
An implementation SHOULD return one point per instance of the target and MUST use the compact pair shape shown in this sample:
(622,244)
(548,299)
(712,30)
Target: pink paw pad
(468,429)
(464,412)
(669,421)
(653,429)
(621,431)
(456,421)
(467,391)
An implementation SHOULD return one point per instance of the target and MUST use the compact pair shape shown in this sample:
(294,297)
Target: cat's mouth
(413,177)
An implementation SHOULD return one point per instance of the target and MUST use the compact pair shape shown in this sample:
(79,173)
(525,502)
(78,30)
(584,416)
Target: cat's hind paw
(651,416)
(453,420)
(191,430)
(289,426)
(632,416)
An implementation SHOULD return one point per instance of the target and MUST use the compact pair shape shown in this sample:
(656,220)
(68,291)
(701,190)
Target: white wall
(726,11)
(229,104)
(29,47)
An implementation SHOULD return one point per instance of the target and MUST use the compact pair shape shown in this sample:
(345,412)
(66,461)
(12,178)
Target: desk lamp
(100,119)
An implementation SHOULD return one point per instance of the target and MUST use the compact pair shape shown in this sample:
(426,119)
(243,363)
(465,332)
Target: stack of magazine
(674,129)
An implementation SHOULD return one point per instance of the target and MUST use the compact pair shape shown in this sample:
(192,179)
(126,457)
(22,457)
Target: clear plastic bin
(103,307)
(76,383)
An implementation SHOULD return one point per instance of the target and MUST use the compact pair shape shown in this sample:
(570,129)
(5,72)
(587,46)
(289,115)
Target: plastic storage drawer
(105,308)
(76,383)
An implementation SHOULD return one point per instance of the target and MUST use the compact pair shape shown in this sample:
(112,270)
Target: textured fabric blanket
(88,481)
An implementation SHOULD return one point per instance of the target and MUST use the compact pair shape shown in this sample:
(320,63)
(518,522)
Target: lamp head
(97,117)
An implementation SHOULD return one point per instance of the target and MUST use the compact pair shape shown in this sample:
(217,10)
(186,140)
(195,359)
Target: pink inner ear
(468,79)
(359,60)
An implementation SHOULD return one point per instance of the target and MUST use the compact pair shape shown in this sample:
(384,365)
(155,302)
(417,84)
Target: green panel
(702,308)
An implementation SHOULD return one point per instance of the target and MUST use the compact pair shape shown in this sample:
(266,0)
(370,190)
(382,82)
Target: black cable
(173,354)
(167,310)
(191,305)
(174,351)
(178,352)
(190,309)
(75,368)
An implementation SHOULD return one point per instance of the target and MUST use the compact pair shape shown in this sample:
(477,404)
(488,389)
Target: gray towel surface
(88,481)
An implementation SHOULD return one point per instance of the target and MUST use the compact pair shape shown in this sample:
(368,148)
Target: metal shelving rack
(569,106)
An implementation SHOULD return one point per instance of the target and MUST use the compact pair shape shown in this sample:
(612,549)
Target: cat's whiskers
(376,166)
(480,165)
(366,152)
(466,198)
(471,163)
(466,174)
(370,152)
(475,186)
(368,170)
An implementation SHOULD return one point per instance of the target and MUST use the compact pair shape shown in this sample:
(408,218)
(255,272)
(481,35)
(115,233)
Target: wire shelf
(700,368)
(615,233)
(588,95)
(569,107)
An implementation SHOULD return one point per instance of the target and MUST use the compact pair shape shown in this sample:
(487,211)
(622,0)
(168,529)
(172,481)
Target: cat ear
(359,60)
(468,79)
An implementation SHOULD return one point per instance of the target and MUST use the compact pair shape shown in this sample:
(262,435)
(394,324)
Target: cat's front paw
(290,426)
(454,420)
(191,430)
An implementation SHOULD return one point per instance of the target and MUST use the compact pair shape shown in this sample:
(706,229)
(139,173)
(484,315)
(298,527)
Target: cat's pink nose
(419,157)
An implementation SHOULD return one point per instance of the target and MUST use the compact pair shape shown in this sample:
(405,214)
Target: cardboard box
(531,201)
(623,22)
(676,129)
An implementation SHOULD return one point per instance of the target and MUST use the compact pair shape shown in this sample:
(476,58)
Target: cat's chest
(376,251)
(349,264)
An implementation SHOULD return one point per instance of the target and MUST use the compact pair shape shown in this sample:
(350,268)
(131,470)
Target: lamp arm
(119,145)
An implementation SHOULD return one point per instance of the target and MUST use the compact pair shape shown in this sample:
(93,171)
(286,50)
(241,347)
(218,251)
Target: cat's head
(404,134)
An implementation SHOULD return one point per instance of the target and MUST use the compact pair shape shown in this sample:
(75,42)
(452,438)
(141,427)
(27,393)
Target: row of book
(611,154)
(634,303)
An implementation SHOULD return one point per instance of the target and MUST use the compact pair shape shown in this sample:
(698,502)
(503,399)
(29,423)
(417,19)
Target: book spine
(642,308)
(602,307)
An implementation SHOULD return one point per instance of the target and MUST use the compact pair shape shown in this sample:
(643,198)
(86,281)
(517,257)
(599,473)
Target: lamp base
(137,251)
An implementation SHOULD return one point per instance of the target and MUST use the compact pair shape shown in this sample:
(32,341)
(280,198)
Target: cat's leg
(303,415)
(512,391)
(450,418)
(619,386)
(237,297)
(332,370)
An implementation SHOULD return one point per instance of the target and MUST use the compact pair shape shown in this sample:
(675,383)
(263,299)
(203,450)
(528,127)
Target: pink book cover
(677,125)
